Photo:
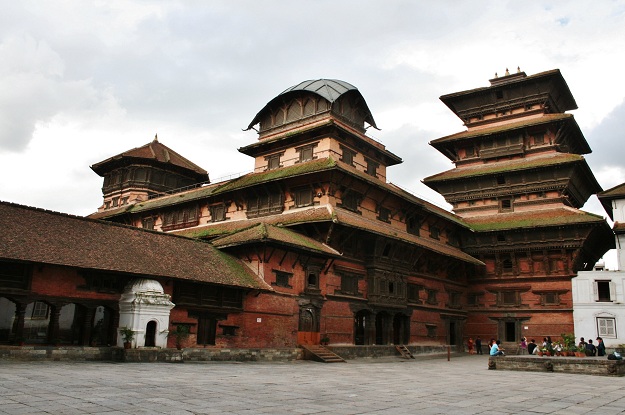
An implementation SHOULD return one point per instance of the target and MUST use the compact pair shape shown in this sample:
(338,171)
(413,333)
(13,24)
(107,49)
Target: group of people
(495,349)
(591,349)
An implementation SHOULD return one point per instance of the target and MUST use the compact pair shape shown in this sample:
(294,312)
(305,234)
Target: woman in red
(470,345)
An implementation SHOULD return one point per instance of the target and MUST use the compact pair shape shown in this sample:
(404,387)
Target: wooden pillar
(86,332)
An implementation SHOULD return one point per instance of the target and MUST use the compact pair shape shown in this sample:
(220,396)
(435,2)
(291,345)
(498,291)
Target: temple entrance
(510,331)
(206,329)
(401,329)
(150,334)
(382,328)
(308,327)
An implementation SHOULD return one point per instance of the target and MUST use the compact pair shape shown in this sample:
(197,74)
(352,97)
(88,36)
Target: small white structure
(144,307)
(599,295)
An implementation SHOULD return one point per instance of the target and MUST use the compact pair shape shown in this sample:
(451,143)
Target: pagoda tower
(519,182)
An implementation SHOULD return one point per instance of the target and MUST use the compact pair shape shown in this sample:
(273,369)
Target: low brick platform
(600,366)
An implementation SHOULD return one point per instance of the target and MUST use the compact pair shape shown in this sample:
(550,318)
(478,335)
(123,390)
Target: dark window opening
(509,298)
(384,214)
(283,279)
(505,205)
(499,94)
(303,197)
(387,250)
(432,297)
(412,225)
(347,156)
(372,168)
(349,284)
(265,205)
(218,213)
(350,200)
(391,288)
(501,179)
(434,232)
(413,293)
(305,153)
(501,237)
(273,161)
(603,291)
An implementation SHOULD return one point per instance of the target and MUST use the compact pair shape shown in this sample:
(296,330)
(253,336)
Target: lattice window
(606,327)
(303,197)
(294,112)
(309,107)
(218,213)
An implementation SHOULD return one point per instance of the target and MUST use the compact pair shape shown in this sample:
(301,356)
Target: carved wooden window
(432,300)
(434,232)
(473,299)
(509,298)
(413,224)
(347,156)
(180,218)
(265,204)
(507,265)
(454,299)
(350,200)
(384,215)
(469,152)
(283,279)
(539,139)
(413,293)
(229,330)
(431,330)
(312,277)
(349,284)
(303,197)
(148,223)
(501,179)
(505,205)
(273,161)
(372,168)
(14,275)
(550,298)
(306,152)
(218,212)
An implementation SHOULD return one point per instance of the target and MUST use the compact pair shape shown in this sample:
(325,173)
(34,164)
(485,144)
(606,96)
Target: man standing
(495,350)
(600,347)
(478,345)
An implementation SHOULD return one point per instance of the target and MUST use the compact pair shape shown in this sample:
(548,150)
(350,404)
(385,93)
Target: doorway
(510,331)
(150,334)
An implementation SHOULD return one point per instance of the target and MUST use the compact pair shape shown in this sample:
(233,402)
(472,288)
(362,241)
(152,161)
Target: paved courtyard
(367,386)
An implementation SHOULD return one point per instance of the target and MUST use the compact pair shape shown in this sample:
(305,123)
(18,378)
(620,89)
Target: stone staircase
(320,354)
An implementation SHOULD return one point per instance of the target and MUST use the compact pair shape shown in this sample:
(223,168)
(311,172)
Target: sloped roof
(607,196)
(527,122)
(263,232)
(329,89)
(543,160)
(153,152)
(532,219)
(41,236)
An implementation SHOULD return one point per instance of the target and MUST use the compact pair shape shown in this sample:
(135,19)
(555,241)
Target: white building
(599,295)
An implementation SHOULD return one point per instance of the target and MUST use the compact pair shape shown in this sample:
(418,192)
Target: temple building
(316,244)
(519,182)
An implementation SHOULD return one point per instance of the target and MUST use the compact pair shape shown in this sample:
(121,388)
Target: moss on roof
(518,220)
(547,118)
(509,166)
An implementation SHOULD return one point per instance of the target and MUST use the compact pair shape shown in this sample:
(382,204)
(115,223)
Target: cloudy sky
(81,81)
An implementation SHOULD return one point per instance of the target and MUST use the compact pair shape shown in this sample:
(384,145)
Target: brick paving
(364,386)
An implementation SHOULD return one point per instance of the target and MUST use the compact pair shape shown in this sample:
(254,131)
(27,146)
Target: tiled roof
(354,220)
(547,118)
(534,219)
(545,160)
(40,236)
(154,151)
(615,192)
(329,213)
(263,232)
(287,218)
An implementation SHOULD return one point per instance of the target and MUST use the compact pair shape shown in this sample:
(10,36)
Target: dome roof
(329,89)
(144,285)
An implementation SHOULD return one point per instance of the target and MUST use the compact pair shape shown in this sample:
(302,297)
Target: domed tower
(150,170)
(317,119)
